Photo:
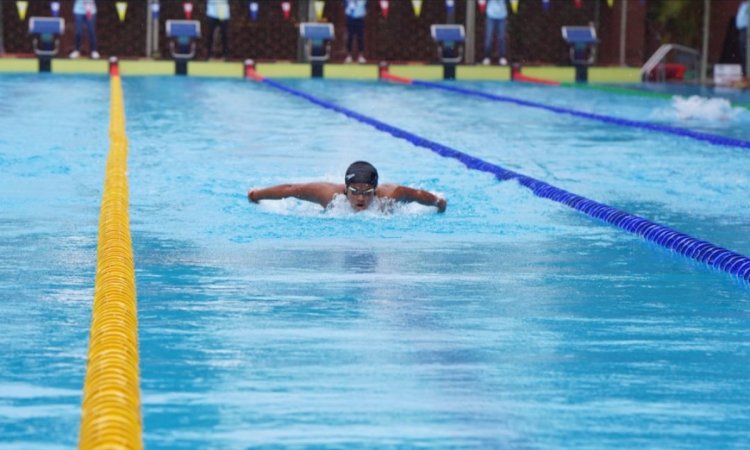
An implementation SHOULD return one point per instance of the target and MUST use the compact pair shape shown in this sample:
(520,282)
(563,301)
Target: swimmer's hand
(251,196)
(441,203)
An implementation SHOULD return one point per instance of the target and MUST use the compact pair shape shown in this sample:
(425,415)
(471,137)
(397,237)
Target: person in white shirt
(497,13)
(217,13)
(85,16)
(355,26)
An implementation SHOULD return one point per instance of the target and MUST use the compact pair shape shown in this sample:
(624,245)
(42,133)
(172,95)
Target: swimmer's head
(361,172)
(360,180)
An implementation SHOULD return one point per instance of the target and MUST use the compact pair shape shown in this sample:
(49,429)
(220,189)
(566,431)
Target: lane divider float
(682,132)
(386,75)
(702,251)
(250,71)
(516,75)
(111,409)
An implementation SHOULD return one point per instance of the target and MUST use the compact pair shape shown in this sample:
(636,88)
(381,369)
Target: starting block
(318,37)
(450,40)
(182,35)
(583,43)
(46,32)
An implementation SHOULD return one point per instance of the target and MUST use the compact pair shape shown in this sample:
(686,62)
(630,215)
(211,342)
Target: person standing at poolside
(360,188)
(495,24)
(741,22)
(355,11)
(85,16)
(217,13)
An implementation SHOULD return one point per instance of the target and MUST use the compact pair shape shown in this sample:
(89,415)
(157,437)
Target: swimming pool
(510,321)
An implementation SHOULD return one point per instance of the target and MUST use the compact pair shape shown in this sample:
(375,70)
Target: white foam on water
(340,208)
(702,109)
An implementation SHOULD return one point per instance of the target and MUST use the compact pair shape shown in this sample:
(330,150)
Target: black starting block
(583,43)
(318,37)
(450,40)
(46,32)
(182,35)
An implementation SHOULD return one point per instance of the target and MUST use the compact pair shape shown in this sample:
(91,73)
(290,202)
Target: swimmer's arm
(407,194)
(320,193)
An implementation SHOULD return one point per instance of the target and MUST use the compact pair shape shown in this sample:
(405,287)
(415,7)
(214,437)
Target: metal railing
(655,68)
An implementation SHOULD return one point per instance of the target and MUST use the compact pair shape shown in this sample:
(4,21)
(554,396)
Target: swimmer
(360,188)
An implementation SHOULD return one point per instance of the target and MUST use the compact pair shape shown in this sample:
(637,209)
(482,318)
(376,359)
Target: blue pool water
(510,321)
(739,96)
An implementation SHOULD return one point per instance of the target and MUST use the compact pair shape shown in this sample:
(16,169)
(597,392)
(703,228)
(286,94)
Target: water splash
(340,208)
(704,109)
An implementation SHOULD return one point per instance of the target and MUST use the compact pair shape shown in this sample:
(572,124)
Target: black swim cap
(361,172)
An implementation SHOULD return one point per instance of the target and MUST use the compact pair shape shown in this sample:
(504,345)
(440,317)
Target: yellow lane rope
(111,411)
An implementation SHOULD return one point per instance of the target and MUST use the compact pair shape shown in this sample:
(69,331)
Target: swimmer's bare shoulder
(321,193)
(406,194)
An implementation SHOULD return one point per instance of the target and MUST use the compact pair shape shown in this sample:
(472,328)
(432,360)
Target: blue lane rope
(706,137)
(705,252)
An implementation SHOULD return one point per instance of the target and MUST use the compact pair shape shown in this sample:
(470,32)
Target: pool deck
(418,71)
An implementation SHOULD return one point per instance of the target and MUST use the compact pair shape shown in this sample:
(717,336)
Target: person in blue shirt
(355,11)
(497,13)
(85,16)
(741,22)
(217,13)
